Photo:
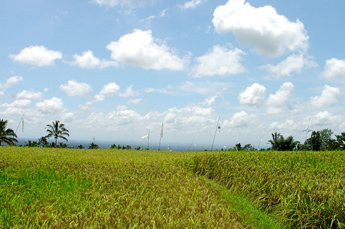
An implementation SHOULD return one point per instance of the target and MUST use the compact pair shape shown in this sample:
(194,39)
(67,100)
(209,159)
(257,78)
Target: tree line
(318,140)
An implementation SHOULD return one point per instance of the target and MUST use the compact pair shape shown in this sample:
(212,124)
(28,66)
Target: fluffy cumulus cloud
(124,3)
(334,68)
(239,119)
(73,88)
(87,60)
(37,55)
(329,96)
(253,95)
(28,95)
(50,106)
(279,99)
(17,103)
(142,50)
(325,119)
(194,117)
(192,4)
(287,125)
(294,63)
(263,28)
(128,92)
(110,89)
(10,82)
(220,61)
(134,101)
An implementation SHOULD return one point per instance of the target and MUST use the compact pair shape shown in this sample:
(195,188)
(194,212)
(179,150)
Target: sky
(114,70)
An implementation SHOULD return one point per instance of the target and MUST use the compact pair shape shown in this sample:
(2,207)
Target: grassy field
(70,188)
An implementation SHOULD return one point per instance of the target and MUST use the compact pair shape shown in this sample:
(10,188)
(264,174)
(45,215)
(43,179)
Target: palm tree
(7,135)
(57,130)
(281,144)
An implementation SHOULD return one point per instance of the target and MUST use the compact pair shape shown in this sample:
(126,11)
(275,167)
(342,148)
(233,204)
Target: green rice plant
(66,188)
(304,189)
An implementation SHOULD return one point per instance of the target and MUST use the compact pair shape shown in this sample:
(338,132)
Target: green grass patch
(250,213)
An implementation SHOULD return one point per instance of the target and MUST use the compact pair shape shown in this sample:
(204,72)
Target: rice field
(66,188)
(75,188)
(304,189)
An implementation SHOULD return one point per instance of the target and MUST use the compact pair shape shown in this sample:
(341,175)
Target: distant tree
(31,144)
(238,147)
(128,147)
(341,141)
(7,135)
(314,142)
(326,139)
(93,146)
(43,142)
(80,147)
(279,143)
(57,130)
(62,145)
(113,146)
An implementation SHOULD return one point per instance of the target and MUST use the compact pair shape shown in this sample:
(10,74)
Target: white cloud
(209,101)
(192,4)
(294,63)
(163,13)
(110,89)
(329,96)
(142,50)
(67,117)
(10,82)
(87,60)
(279,99)
(128,92)
(73,88)
(325,119)
(51,106)
(253,95)
(28,95)
(286,125)
(238,120)
(334,68)
(123,3)
(220,61)
(37,55)
(134,101)
(263,28)
(17,103)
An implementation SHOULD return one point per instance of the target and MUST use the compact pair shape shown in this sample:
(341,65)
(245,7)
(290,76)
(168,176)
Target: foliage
(57,130)
(305,189)
(279,143)
(93,146)
(7,135)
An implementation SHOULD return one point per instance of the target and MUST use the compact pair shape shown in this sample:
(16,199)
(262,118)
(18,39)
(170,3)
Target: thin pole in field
(215,133)
(160,139)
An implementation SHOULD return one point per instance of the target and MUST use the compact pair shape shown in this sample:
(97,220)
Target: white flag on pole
(145,137)
(162,130)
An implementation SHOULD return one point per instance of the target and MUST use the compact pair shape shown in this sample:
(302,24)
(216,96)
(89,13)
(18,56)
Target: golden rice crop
(66,188)
(305,189)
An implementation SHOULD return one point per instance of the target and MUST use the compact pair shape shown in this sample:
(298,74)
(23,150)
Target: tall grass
(66,188)
(305,189)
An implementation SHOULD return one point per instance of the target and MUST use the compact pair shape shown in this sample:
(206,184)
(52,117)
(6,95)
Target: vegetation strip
(304,189)
(250,213)
(106,188)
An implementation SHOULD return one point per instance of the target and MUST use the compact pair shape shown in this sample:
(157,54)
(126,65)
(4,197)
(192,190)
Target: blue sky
(115,69)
